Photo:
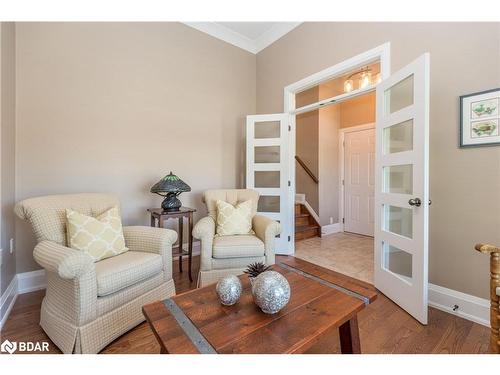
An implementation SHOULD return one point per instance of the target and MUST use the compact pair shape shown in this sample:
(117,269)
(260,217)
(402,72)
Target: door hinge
(289,128)
(343,220)
(342,182)
(289,238)
(289,183)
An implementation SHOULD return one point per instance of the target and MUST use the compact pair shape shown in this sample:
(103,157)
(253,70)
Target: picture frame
(480,119)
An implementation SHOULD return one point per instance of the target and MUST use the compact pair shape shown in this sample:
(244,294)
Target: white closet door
(268,171)
(402,187)
(359,181)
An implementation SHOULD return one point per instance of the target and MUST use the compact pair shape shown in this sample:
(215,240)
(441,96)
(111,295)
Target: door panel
(402,187)
(359,181)
(267,171)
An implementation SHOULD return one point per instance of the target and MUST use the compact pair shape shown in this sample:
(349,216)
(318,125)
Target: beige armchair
(87,305)
(226,255)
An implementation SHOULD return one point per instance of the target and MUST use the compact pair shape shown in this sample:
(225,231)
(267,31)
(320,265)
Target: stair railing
(306,169)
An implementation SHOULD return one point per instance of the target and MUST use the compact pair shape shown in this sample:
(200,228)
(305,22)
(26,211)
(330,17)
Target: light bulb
(378,78)
(348,85)
(365,80)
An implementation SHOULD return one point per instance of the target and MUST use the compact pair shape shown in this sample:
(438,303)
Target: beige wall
(329,124)
(357,111)
(7,147)
(353,112)
(307,148)
(113,107)
(464,183)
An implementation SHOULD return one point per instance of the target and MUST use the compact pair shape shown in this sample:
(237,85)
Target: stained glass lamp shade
(170,187)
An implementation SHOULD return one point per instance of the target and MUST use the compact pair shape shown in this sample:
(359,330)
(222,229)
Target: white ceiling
(250,36)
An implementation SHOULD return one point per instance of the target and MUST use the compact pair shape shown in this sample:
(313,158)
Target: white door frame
(342,133)
(381,52)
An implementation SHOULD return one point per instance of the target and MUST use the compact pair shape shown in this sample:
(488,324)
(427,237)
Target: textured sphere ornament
(271,291)
(229,290)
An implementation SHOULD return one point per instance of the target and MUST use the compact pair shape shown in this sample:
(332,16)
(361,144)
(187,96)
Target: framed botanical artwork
(480,119)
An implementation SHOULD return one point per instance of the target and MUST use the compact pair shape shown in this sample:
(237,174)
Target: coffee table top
(321,300)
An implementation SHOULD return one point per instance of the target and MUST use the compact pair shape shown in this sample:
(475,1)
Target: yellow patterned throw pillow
(234,220)
(100,237)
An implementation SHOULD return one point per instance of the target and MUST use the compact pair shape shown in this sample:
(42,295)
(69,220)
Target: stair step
(304,228)
(306,231)
(303,215)
(305,225)
(301,220)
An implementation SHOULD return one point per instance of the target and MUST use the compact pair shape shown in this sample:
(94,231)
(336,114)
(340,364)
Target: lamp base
(171,203)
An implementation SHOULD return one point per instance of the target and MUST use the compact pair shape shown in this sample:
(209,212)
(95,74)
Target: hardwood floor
(384,328)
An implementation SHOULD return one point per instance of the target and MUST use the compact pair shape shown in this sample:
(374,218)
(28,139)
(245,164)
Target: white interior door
(268,171)
(402,187)
(359,181)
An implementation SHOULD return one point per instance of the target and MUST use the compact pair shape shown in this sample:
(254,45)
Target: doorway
(401,207)
(346,241)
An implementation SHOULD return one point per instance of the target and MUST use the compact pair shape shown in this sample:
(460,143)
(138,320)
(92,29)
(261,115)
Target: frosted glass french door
(402,187)
(268,171)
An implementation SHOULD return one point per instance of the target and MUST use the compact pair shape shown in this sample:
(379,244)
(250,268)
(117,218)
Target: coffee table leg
(349,337)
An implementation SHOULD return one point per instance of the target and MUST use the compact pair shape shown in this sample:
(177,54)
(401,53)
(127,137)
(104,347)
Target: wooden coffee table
(321,301)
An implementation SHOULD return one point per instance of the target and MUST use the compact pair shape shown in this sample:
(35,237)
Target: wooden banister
(308,171)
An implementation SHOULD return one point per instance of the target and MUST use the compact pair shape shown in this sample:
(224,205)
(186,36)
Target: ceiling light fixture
(364,80)
(348,85)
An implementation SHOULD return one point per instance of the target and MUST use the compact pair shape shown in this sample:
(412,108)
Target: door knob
(415,202)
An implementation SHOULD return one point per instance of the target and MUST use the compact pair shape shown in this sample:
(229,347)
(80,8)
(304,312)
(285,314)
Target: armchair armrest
(267,230)
(485,248)
(152,240)
(66,262)
(149,239)
(204,230)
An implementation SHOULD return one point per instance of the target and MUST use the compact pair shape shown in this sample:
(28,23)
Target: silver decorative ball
(229,290)
(271,291)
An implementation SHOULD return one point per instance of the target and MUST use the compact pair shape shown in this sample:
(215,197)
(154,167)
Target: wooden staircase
(305,225)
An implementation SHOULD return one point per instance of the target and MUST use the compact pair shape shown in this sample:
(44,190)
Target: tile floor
(347,253)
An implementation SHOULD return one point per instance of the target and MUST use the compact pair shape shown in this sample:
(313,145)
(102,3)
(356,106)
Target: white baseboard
(21,283)
(31,281)
(469,307)
(7,301)
(331,229)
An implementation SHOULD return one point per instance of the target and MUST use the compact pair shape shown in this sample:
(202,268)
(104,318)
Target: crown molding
(236,39)
(273,34)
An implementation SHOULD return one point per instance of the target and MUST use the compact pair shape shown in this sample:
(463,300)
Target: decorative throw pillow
(101,237)
(234,220)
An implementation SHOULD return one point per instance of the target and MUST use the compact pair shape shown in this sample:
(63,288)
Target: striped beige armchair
(230,255)
(87,305)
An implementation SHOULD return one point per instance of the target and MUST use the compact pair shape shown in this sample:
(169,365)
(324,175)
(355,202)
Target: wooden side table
(159,216)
